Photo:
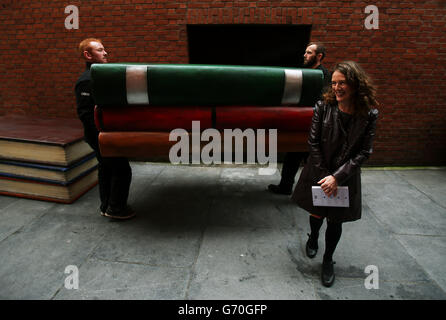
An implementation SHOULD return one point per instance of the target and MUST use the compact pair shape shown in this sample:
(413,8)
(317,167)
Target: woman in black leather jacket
(340,139)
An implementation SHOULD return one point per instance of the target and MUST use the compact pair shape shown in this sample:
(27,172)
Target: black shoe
(279,189)
(327,274)
(311,247)
(125,214)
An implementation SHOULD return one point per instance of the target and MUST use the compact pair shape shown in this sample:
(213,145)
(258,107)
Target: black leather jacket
(339,151)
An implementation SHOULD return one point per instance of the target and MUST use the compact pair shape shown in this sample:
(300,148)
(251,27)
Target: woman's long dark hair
(364,96)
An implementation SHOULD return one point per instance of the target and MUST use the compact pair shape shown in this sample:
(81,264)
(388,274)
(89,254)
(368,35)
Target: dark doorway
(242,44)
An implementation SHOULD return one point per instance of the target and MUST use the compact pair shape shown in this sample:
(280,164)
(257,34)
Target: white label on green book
(136,85)
(293,86)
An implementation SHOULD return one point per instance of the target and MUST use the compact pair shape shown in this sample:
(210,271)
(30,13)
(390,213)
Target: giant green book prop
(210,85)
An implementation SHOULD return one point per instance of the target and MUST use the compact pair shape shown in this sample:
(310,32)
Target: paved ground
(216,233)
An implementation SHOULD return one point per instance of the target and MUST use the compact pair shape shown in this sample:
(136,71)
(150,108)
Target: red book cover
(149,144)
(145,118)
(160,119)
(281,118)
(39,140)
(59,132)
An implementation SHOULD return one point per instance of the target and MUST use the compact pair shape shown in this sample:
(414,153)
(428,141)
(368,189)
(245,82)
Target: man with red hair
(114,174)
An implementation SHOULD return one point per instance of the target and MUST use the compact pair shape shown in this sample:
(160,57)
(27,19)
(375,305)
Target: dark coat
(337,151)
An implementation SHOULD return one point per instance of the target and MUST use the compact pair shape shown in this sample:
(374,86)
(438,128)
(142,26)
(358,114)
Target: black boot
(311,246)
(327,274)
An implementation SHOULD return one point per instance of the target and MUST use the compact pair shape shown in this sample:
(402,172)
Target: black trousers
(291,163)
(114,174)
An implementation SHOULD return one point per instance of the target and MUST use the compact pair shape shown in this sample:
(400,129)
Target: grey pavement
(216,233)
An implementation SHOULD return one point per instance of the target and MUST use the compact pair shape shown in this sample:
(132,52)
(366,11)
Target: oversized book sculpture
(40,140)
(50,173)
(47,190)
(45,159)
(204,85)
(139,104)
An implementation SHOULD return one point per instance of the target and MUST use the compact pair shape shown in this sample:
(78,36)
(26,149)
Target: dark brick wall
(406,56)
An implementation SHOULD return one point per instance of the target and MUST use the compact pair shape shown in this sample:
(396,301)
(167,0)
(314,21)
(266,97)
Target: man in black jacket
(114,174)
(314,54)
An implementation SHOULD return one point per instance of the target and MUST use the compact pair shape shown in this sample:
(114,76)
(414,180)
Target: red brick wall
(406,56)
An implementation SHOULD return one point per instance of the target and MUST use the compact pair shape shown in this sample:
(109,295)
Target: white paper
(320,199)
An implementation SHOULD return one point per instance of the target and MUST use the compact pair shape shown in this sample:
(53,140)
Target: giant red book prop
(145,144)
(161,119)
(138,105)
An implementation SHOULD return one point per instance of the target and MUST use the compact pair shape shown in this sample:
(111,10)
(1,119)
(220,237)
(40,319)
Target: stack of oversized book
(139,105)
(45,159)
